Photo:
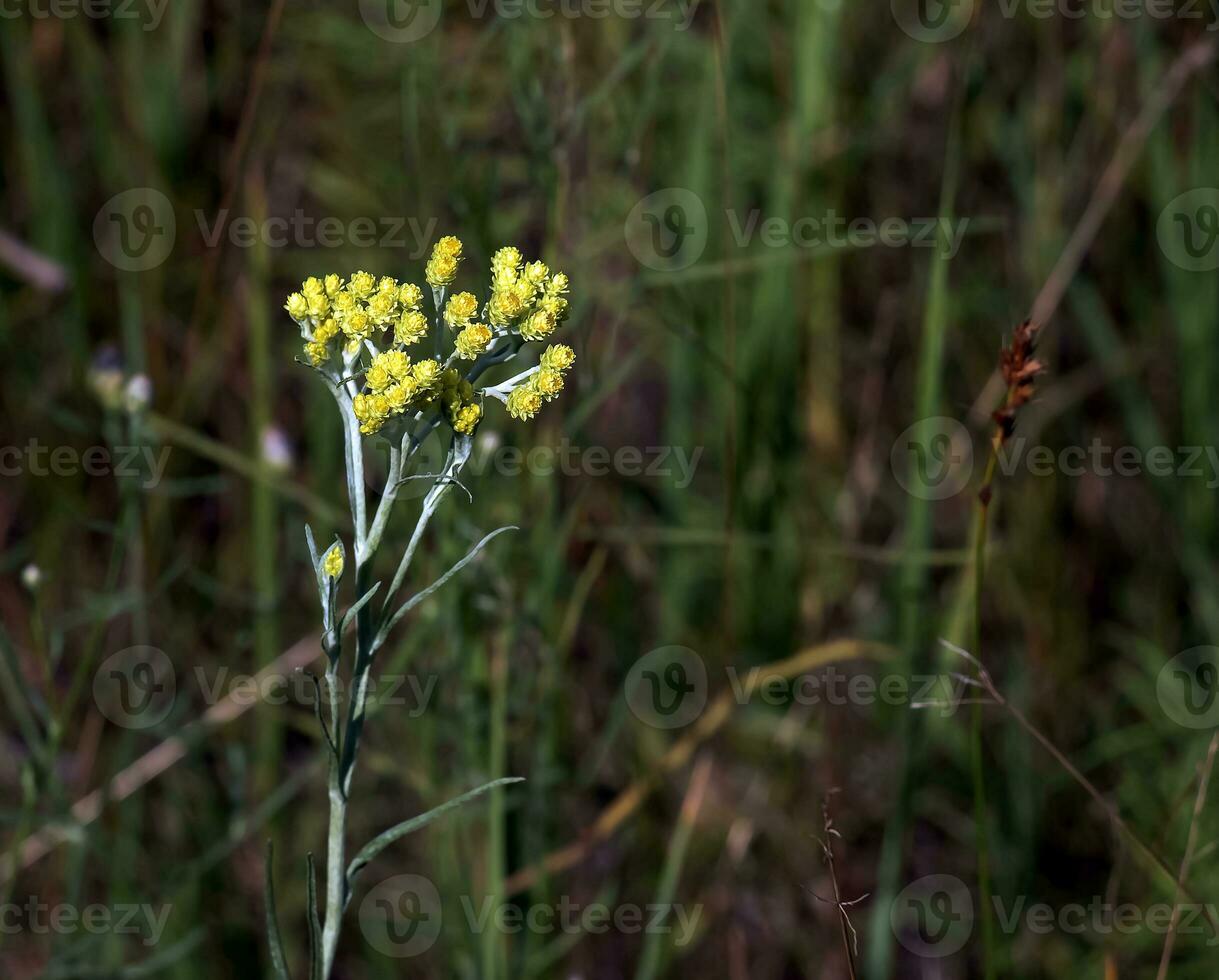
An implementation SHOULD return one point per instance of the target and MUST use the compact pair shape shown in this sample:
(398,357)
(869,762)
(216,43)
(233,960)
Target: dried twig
(1110,810)
(1191,842)
(850,938)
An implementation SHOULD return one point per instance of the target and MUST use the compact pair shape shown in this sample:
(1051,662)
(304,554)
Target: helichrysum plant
(397,373)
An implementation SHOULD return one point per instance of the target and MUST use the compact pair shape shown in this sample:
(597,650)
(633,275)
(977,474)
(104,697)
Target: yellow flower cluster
(358,309)
(394,386)
(544,385)
(442,266)
(525,296)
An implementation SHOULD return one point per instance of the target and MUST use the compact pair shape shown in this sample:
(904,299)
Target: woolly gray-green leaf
(273,938)
(382,841)
(418,597)
(355,609)
(315,926)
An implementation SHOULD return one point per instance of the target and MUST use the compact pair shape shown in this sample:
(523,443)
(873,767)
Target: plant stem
(977,768)
(336,885)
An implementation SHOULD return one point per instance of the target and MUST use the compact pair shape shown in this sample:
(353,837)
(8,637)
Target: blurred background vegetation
(790,371)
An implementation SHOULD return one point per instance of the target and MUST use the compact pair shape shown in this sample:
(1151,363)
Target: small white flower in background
(276,449)
(137,396)
(31,577)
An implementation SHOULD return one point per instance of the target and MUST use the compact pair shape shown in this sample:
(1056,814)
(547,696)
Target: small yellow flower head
(397,362)
(332,285)
(555,307)
(315,297)
(460,310)
(509,303)
(442,266)
(386,368)
(361,285)
(464,418)
(410,328)
(536,272)
(410,296)
(297,307)
(505,264)
(524,403)
(558,357)
(327,330)
(387,284)
(317,353)
(472,341)
(357,325)
(345,302)
(332,563)
(399,396)
(548,383)
(377,377)
(371,411)
(538,325)
(383,307)
(426,373)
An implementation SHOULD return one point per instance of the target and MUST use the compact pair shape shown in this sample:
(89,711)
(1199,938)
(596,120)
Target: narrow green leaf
(315,926)
(273,938)
(313,552)
(360,604)
(418,597)
(382,841)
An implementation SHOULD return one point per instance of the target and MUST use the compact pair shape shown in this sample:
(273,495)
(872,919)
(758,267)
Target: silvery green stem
(387,498)
(336,882)
(355,466)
